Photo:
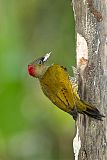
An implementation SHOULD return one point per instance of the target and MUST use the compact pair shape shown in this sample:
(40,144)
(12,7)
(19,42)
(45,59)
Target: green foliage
(31,127)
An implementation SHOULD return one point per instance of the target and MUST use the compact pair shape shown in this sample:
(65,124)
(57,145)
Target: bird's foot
(74,113)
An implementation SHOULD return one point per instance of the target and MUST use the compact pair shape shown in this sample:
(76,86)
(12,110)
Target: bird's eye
(41,61)
(38,61)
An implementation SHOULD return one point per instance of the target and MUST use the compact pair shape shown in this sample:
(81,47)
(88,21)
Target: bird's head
(37,68)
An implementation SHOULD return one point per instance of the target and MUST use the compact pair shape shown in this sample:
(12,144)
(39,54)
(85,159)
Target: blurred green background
(31,127)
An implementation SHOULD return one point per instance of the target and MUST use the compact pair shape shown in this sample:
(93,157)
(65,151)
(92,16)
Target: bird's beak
(42,59)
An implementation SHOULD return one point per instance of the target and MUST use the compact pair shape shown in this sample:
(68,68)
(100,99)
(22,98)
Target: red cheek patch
(31,70)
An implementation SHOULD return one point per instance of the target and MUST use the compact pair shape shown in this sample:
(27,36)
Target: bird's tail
(88,109)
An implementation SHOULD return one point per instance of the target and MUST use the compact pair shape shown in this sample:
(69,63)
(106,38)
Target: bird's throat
(42,71)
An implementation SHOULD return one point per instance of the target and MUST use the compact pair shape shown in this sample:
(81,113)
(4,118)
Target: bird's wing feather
(62,95)
(57,86)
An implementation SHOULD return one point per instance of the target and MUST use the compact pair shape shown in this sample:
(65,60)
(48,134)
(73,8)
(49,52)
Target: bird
(57,85)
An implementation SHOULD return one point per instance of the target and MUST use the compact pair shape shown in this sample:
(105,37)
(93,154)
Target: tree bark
(90,142)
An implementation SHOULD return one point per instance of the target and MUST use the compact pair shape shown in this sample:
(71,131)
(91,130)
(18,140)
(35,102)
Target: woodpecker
(57,85)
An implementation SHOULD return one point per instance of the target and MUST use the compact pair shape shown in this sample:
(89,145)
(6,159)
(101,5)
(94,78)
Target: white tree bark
(90,142)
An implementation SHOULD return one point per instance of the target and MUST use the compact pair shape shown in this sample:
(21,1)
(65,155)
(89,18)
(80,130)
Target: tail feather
(94,113)
(89,110)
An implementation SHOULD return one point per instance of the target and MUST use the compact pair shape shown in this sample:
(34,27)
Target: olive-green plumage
(57,86)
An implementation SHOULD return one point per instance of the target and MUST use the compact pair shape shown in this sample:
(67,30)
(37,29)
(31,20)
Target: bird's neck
(42,71)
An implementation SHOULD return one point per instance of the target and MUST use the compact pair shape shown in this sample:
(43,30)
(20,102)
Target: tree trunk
(90,142)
